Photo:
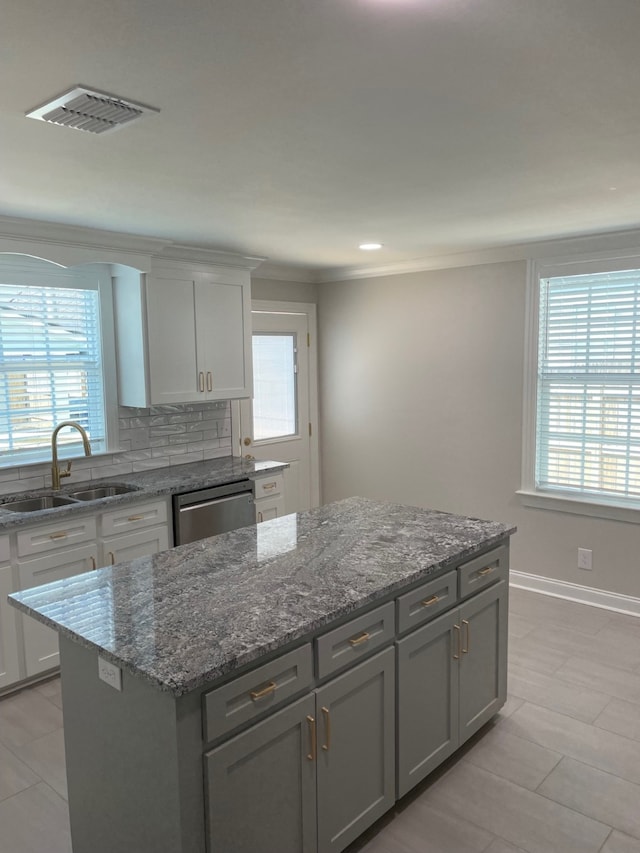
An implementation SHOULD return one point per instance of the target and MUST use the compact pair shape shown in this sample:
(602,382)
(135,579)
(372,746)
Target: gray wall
(421,379)
(283,291)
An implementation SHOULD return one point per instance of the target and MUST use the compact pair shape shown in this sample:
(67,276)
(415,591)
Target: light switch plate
(109,673)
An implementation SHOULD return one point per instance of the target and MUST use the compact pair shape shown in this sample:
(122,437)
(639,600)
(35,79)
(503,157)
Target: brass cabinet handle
(465,645)
(135,518)
(428,602)
(457,629)
(209,381)
(268,486)
(201,381)
(61,535)
(362,638)
(112,557)
(327,727)
(93,564)
(266,691)
(260,516)
(487,571)
(311,755)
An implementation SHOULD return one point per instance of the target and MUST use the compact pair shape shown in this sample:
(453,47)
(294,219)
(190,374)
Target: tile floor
(558,771)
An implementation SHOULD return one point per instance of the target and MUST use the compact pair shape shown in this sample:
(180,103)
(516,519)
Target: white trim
(576,592)
(280,272)
(595,508)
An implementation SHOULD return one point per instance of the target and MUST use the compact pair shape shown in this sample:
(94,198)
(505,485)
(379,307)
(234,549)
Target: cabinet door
(427,699)
(224,337)
(119,549)
(261,787)
(483,661)
(9,664)
(269,508)
(40,642)
(171,329)
(356,750)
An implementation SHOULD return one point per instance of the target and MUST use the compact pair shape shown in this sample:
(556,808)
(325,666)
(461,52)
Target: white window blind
(588,390)
(50,369)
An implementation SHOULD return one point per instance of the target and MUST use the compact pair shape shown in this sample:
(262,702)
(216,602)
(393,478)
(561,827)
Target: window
(274,385)
(52,359)
(586,412)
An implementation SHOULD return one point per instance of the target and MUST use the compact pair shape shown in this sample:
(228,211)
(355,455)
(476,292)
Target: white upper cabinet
(196,321)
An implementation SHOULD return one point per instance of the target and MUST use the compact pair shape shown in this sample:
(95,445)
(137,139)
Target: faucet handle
(67,471)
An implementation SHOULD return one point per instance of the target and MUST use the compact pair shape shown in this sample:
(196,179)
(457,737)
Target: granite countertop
(171,480)
(187,616)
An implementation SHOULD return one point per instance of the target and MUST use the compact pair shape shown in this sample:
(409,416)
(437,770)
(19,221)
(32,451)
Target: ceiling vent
(89,110)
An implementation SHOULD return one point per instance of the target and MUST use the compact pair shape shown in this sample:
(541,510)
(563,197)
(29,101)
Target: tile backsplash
(148,438)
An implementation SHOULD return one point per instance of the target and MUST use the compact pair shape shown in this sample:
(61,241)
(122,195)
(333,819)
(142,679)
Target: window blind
(50,368)
(588,395)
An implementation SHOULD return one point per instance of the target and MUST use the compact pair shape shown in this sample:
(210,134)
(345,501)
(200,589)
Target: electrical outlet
(109,673)
(585,558)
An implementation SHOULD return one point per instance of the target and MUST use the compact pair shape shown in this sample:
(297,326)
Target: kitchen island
(260,670)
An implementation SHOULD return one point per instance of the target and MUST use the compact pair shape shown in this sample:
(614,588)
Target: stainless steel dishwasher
(208,512)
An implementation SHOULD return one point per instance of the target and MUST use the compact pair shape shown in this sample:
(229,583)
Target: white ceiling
(296,129)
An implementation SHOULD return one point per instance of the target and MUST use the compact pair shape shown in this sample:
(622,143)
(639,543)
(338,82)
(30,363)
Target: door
(356,750)
(427,699)
(280,422)
(483,658)
(261,786)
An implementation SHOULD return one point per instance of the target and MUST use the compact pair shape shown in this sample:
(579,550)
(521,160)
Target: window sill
(625,512)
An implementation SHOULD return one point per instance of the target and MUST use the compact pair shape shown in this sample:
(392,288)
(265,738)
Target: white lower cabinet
(9,660)
(269,497)
(40,642)
(54,552)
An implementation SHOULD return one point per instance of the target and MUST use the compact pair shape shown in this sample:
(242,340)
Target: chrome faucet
(56,473)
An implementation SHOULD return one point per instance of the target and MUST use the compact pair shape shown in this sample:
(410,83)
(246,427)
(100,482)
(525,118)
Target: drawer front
(268,487)
(421,604)
(346,645)
(5,550)
(246,697)
(483,571)
(56,537)
(133,516)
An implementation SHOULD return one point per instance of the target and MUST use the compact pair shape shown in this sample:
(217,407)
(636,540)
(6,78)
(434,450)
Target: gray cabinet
(330,754)
(356,751)
(451,681)
(261,786)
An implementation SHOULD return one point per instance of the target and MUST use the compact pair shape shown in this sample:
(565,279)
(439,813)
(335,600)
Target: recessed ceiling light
(370,247)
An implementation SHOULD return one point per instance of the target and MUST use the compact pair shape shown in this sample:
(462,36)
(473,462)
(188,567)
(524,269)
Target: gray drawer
(265,687)
(349,643)
(483,571)
(426,601)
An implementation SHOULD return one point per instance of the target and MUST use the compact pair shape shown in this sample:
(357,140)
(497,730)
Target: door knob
(247,442)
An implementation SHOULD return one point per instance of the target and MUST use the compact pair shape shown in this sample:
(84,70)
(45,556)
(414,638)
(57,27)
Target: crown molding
(202,255)
(285,272)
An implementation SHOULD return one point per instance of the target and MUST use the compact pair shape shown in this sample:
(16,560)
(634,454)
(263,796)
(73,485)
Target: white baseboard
(576,592)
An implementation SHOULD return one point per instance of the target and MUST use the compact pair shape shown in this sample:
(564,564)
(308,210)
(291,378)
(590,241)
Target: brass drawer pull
(327,726)
(266,691)
(311,755)
(487,571)
(362,638)
(135,518)
(112,557)
(201,382)
(456,628)
(428,602)
(268,486)
(61,535)
(465,645)
(260,518)
(209,381)
(93,564)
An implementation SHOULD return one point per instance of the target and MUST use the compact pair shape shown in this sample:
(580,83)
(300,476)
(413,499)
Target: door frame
(310,310)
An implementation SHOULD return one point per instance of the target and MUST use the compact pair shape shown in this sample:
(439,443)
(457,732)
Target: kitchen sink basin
(34,504)
(101,492)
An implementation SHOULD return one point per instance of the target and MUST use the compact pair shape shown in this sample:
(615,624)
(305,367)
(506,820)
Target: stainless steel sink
(34,504)
(101,492)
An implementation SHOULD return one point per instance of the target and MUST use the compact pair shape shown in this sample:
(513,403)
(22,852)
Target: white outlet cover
(110,673)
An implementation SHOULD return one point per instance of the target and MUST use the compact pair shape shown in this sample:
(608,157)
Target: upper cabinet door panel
(173,366)
(223,337)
